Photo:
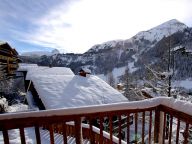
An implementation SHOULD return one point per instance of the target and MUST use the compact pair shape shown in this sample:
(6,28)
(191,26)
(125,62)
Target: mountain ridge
(40,53)
(132,53)
(154,34)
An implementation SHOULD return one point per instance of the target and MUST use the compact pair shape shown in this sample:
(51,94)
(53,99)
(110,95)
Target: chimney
(50,65)
(83,72)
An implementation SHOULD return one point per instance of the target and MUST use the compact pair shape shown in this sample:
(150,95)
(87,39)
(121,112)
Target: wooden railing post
(37,133)
(6,136)
(157,125)
(91,133)
(78,131)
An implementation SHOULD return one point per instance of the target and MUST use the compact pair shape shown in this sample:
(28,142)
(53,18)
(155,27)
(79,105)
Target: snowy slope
(187,84)
(63,91)
(153,35)
(104,45)
(158,32)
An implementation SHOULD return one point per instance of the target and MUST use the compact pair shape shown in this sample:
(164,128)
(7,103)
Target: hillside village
(116,92)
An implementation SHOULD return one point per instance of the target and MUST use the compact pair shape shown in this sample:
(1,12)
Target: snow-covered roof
(86,70)
(40,70)
(2,42)
(63,91)
(26,67)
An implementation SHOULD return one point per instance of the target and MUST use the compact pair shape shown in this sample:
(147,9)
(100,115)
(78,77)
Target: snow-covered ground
(18,108)
(187,84)
(14,134)
(117,72)
(14,137)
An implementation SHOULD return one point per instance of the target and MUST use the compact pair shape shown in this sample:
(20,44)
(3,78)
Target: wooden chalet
(8,60)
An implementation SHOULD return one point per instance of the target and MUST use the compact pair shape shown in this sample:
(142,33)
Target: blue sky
(76,25)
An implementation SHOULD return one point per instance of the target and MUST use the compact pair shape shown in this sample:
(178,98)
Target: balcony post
(157,125)
(78,131)
(161,127)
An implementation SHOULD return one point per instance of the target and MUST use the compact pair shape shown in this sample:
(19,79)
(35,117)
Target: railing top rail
(182,106)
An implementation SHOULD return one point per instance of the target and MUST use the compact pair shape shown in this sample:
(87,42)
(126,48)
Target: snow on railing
(93,109)
(183,106)
(149,121)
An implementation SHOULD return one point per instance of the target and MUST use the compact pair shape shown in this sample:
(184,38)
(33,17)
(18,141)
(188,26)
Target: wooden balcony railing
(159,120)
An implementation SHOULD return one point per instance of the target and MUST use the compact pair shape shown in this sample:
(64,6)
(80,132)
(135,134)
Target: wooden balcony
(158,120)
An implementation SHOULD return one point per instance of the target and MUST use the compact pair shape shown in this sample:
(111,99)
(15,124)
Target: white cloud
(89,22)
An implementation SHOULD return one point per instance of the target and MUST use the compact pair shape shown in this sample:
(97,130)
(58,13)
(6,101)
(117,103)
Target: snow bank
(64,91)
(18,107)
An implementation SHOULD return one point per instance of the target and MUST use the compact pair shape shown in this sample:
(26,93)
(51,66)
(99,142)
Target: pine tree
(126,81)
(111,79)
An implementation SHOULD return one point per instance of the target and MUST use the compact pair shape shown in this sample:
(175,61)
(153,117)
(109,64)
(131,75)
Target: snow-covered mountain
(40,53)
(153,36)
(158,32)
(145,48)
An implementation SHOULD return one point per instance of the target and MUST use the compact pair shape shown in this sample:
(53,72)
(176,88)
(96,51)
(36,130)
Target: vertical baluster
(157,125)
(136,117)
(78,131)
(37,134)
(51,134)
(150,126)
(186,134)
(164,128)
(22,135)
(111,129)
(119,127)
(92,136)
(5,136)
(143,127)
(128,127)
(171,126)
(101,130)
(64,131)
(178,127)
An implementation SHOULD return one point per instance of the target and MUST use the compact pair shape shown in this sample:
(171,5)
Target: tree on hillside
(111,79)
(126,81)
(157,81)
